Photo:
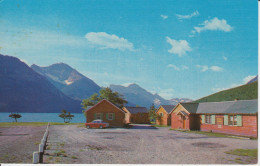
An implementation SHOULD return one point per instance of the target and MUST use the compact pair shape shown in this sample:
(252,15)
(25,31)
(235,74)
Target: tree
(66,117)
(92,100)
(152,113)
(15,116)
(159,118)
(105,93)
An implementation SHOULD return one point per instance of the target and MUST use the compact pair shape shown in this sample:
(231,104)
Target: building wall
(164,119)
(127,115)
(248,128)
(140,118)
(192,121)
(105,107)
(177,122)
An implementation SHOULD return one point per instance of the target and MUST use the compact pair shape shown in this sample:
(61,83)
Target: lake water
(41,117)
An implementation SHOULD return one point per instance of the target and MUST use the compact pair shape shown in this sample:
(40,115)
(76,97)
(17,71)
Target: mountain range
(59,86)
(24,90)
(78,86)
(68,80)
(139,96)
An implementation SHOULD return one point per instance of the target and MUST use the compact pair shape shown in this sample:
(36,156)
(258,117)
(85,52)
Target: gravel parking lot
(18,143)
(139,145)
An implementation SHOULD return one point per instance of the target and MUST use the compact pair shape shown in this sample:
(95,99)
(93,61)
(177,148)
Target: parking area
(141,144)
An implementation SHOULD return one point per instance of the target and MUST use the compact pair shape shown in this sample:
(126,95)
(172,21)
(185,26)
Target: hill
(244,92)
(68,80)
(24,90)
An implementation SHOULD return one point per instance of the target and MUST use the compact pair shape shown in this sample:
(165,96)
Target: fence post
(35,157)
(41,150)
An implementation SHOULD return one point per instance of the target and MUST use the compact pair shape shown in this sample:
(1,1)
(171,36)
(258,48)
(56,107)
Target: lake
(41,117)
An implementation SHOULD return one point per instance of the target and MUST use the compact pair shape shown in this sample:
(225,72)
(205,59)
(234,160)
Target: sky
(174,48)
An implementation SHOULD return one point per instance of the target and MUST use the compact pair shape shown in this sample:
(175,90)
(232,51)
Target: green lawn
(8,124)
(243,152)
(212,134)
(155,125)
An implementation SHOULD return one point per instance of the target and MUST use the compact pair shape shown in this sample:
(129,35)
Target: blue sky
(174,48)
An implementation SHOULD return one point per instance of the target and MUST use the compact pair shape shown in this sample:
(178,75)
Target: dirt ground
(18,143)
(140,145)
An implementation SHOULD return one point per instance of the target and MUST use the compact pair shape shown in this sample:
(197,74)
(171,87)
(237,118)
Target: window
(161,114)
(232,120)
(110,116)
(220,120)
(98,116)
(208,119)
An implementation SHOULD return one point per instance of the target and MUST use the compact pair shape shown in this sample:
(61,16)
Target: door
(183,122)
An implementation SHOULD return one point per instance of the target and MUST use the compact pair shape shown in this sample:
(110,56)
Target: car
(96,124)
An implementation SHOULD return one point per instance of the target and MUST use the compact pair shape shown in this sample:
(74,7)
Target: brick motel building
(230,117)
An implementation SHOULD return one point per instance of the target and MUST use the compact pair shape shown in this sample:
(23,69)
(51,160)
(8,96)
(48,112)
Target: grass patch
(36,143)
(60,153)
(73,157)
(8,124)
(62,144)
(155,125)
(243,152)
(211,134)
(81,125)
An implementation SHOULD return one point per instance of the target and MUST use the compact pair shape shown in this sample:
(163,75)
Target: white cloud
(174,67)
(183,67)
(245,80)
(105,40)
(221,89)
(166,93)
(178,47)
(202,67)
(212,68)
(181,17)
(216,68)
(248,78)
(225,58)
(213,25)
(164,16)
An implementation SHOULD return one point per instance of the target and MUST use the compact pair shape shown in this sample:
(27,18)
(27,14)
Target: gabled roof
(104,100)
(168,108)
(134,110)
(240,106)
(190,107)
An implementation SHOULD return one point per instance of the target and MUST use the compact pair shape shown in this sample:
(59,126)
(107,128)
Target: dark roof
(240,106)
(191,107)
(168,108)
(134,110)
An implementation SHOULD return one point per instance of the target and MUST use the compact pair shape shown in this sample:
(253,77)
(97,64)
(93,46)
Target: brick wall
(248,128)
(177,122)
(140,118)
(105,107)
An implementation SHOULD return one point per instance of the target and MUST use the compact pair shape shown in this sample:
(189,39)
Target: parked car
(96,124)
